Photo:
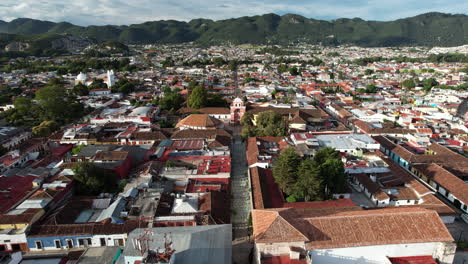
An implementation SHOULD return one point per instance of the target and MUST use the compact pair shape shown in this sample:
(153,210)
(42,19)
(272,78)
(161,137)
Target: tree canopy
(408,83)
(197,98)
(267,123)
(53,103)
(310,180)
(285,170)
(172,100)
(93,180)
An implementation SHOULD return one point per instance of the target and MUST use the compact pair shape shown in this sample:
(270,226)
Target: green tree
(216,100)
(233,65)
(77,149)
(45,129)
(282,68)
(197,98)
(124,86)
(80,90)
(408,84)
(272,124)
(371,88)
(369,72)
(294,71)
(218,61)
(93,180)
(23,105)
(57,105)
(429,83)
(52,100)
(285,170)
(309,184)
(331,170)
(172,100)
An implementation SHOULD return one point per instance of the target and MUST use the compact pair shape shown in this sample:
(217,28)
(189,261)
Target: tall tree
(285,170)
(197,98)
(80,90)
(309,184)
(331,170)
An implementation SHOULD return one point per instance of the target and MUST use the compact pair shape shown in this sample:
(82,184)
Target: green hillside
(431,29)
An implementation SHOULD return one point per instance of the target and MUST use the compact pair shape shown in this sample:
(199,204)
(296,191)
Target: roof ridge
(390,211)
(295,219)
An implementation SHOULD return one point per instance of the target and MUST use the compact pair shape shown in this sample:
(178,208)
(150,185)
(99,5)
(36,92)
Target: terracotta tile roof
(282,260)
(312,113)
(327,229)
(206,110)
(255,146)
(275,225)
(24,218)
(372,187)
(204,134)
(111,155)
(84,229)
(199,120)
(252,150)
(440,154)
(155,135)
(266,193)
(216,204)
(364,126)
(219,142)
(413,260)
(445,179)
(322,204)
(427,199)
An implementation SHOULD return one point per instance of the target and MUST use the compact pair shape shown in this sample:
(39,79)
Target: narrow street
(240,202)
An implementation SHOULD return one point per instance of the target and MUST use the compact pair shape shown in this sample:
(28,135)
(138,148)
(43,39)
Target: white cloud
(101,12)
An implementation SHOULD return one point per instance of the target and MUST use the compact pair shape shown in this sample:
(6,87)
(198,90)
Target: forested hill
(430,29)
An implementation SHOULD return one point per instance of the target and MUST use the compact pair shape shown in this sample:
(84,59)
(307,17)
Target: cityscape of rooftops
(233,132)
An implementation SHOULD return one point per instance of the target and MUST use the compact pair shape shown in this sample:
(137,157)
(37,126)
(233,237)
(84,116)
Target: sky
(125,12)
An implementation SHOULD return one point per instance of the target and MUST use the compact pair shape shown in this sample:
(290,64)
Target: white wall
(373,254)
(277,249)
(13,238)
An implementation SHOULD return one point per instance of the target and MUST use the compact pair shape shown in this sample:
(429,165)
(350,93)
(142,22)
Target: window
(58,244)
(2,247)
(16,247)
(119,242)
(84,242)
(69,243)
(38,244)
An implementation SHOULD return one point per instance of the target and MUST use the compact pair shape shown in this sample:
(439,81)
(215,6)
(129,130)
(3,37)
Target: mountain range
(430,29)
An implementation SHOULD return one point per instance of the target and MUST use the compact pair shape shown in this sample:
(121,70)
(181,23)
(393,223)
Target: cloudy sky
(118,12)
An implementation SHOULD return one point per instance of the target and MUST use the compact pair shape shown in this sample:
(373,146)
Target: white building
(349,235)
(110,78)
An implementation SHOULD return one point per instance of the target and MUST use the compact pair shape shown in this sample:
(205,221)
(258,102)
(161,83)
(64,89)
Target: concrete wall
(379,254)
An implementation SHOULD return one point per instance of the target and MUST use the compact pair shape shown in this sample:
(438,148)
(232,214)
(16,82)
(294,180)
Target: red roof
(61,150)
(14,189)
(321,204)
(413,260)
